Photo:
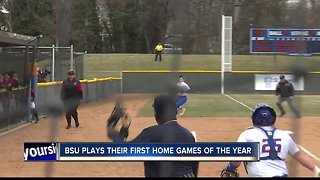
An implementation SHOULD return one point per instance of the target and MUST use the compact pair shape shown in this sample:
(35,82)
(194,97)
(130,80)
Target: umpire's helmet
(263,115)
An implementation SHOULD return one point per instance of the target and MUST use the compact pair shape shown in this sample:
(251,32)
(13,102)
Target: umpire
(285,91)
(168,130)
(71,95)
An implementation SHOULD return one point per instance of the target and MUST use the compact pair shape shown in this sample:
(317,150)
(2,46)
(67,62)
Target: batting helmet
(263,115)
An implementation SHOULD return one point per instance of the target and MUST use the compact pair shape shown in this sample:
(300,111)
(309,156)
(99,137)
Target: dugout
(14,100)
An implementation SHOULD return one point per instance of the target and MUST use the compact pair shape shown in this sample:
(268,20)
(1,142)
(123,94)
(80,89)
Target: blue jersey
(169,132)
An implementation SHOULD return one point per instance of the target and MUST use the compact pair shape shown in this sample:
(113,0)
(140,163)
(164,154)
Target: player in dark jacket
(168,130)
(285,91)
(71,95)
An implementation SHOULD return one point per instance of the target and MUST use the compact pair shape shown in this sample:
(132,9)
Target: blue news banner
(141,151)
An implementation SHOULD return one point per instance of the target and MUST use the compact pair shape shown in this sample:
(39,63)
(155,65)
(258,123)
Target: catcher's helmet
(263,115)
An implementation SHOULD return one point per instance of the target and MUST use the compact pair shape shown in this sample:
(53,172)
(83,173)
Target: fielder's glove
(225,173)
(119,121)
(229,171)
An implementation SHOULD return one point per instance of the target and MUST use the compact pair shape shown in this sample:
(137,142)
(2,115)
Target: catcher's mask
(263,115)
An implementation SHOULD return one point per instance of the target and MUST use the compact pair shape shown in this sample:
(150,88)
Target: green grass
(307,103)
(216,105)
(97,65)
(117,62)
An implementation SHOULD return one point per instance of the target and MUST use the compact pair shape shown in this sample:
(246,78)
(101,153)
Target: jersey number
(266,146)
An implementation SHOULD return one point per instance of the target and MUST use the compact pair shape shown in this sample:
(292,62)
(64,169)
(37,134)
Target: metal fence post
(71,57)
(53,62)
(121,80)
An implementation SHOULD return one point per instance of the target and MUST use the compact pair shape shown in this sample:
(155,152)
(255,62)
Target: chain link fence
(56,61)
(14,102)
(93,90)
(15,69)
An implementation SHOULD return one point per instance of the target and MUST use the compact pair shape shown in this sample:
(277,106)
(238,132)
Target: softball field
(92,129)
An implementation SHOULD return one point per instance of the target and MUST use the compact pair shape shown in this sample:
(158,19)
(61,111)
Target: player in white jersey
(275,145)
(182,95)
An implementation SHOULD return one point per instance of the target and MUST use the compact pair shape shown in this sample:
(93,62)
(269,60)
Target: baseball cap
(281,76)
(71,72)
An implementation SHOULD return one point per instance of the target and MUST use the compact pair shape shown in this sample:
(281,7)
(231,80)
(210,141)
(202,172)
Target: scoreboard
(285,41)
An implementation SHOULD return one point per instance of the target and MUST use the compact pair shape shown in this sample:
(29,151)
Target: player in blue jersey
(182,97)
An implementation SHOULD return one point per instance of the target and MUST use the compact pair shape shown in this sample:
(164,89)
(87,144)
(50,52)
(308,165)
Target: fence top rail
(49,84)
(168,71)
(46,84)
(104,71)
(211,71)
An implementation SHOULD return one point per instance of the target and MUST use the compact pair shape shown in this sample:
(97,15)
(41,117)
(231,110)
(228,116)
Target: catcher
(275,145)
(168,131)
